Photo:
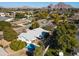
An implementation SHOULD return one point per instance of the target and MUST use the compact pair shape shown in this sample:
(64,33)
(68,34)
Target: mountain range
(56,6)
(60,5)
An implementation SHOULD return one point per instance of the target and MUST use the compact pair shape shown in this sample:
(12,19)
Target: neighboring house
(19,11)
(10,19)
(5,18)
(2,14)
(42,22)
(9,14)
(31,35)
(45,22)
(22,22)
(3,52)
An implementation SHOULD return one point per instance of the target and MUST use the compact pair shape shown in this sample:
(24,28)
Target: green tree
(35,24)
(39,50)
(19,15)
(4,24)
(41,15)
(8,32)
(49,28)
(63,38)
(17,45)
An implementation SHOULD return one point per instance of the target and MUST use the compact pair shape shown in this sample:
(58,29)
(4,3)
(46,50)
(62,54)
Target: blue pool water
(31,47)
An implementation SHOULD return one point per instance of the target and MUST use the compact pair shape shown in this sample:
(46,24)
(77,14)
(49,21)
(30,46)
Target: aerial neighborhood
(45,31)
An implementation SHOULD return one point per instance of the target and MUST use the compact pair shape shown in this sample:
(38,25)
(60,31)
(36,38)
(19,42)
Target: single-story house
(9,19)
(3,52)
(2,14)
(31,35)
(5,19)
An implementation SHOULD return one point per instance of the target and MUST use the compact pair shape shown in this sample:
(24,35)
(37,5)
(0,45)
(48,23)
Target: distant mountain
(23,7)
(60,5)
(1,7)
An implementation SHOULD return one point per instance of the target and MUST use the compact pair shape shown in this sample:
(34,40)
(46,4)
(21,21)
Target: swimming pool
(31,47)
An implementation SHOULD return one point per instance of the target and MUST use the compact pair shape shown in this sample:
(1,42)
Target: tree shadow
(29,53)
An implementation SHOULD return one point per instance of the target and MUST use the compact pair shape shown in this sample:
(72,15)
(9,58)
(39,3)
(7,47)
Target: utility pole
(45,50)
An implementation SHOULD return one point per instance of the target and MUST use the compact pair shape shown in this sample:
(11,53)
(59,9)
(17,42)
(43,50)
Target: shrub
(39,50)
(35,25)
(8,32)
(10,35)
(17,45)
(49,28)
(19,15)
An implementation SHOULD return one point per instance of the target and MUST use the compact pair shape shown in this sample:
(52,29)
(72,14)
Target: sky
(34,4)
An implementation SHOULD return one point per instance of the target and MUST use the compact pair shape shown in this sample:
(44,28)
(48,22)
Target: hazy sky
(34,4)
